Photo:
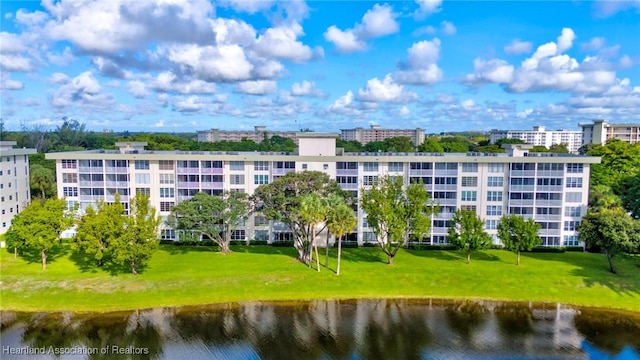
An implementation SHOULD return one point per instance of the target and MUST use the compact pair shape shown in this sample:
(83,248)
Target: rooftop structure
(600,131)
(539,136)
(15,190)
(376,133)
(550,188)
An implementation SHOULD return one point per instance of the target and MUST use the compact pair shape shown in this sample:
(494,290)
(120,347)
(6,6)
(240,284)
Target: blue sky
(172,65)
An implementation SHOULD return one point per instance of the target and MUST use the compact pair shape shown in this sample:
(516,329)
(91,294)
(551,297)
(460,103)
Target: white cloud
(385,91)
(31,19)
(424,30)
(6,83)
(63,59)
(58,78)
(190,104)
(257,87)
(595,44)
(11,62)
(82,91)
(448,28)
(377,22)
(248,6)
(137,89)
(606,8)
(224,63)
(491,71)
(565,40)
(345,105)
(306,88)
(427,7)
(518,46)
(404,111)
(524,114)
(281,43)
(420,67)
(167,81)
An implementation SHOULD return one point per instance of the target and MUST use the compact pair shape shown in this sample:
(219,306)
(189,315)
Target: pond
(353,329)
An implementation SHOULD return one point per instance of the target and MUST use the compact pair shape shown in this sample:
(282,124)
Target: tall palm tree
(312,212)
(331,202)
(341,220)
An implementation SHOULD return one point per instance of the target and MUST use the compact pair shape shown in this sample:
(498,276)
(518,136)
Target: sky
(183,66)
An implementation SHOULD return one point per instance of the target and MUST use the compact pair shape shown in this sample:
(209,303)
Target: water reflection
(368,329)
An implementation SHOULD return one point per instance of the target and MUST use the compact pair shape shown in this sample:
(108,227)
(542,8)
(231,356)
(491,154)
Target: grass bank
(197,275)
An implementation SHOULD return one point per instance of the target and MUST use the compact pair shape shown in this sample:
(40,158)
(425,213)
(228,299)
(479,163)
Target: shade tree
(518,234)
(467,232)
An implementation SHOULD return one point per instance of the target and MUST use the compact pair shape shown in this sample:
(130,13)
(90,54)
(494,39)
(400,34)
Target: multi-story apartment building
(376,133)
(550,188)
(600,131)
(539,136)
(14,181)
(258,134)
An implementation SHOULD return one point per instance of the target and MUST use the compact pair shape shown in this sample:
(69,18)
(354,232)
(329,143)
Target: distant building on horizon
(15,190)
(600,131)
(376,133)
(539,136)
(257,135)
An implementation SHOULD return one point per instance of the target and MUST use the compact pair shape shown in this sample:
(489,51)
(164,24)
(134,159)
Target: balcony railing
(88,169)
(188,184)
(530,173)
(445,187)
(551,173)
(346,171)
(549,203)
(117,183)
(548,217)
(211,170)
(521,188)
(86,183)
(123,198)
(443,172)
(91,197)
(116,170)
(277,171)
(182,170)
(420,172)
(212,185)
(552,188)
(515,202)
(349,186)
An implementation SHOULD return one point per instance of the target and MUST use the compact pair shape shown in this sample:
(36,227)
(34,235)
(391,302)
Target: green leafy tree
(399,144)
(455,144)
(376,146)
(38,227)
(140,238)
(349,146)
(631,196)
(603,197)
(313,211)
(499,142)
(42,181)
(99,228)
(216,217)
(518,234)
(612,230)
(431,145)
(340,221)
(559,148)
(619,161)
(467,232)
(396,212)
(280,201)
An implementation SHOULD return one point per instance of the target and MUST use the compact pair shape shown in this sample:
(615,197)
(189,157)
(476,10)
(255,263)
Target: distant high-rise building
(539,136)
(257,135)
(600,131)
(376,133)
(15,191)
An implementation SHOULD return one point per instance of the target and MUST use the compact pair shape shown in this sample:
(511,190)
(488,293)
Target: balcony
(182,170)
(92,198)
(116,170)
(349,186)
(216,171)
(516,202)
(446,202)
(528,173)
(118,183)
(445,187)
(182,198)
(549,188)
(88,169)
(347,172)
(443,172)
(188,185)
(551,173)
(212,185)
(547,232)
(110,197)
(529,188)
(277,171)
(548,217)
(420,172)
(555,203)
(86,183)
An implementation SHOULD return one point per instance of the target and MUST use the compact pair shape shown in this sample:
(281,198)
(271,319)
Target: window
(551,167)
(446,181)
(369,237)
(166,205)
(469,195)
(237,190)
(261,165)
(71,205)
(469,208)
(238,235)
(573,197)
(445,166)
(469,181)
(167,179)
(166,164)
(573,211)
(370,166)
(304,166)
(260,179)
(571,225)
(69,164)
(142,164)
(574,182)
(69,178)
(495,181)
(521,210)
(494,195)
(346,165)
(143,178)
(522,181)
(236,179)
(550,182)
(260,221)
(494,210)
(145,191)
(396,166)
(571,240)
(347,179)
(469,167)
(236,165)
(444,195)
(547,211)
(70,191)
(441,223)
(496,168)
(523,166)
(369,180)
(425,180)
(491,224)
(550,240)
(167,234)
(549,196)
(167,192)
(575,168)
(549,225)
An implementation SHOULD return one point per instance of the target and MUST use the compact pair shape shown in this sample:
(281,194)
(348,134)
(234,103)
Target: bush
(431,247)
(549,249)
(258,242)
(288,243)
(370,244)
(574,248)
(350,244)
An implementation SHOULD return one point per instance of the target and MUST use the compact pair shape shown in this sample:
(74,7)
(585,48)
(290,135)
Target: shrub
(549,249)
(288,243)
(351,244)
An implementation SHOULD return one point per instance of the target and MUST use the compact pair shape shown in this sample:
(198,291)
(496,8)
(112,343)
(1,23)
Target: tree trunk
(469,257)
(339,255)
(224,247)
(518,262)
(44,259)
(134,269)
(316,246)
(610,260)
(15,252)
(389,259)
(326,251)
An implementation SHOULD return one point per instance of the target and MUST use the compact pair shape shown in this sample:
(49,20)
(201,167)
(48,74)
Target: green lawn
(197,275)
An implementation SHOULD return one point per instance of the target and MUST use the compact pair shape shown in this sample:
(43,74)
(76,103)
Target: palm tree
(312,212)
(331,202)
(340,220)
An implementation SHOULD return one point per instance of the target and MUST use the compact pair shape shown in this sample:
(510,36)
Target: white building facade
(259,134)
(376,133)
(550,188)
(600,131)
(15,191)
(539,136)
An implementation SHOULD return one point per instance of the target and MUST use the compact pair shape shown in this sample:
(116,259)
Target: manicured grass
(197,275)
